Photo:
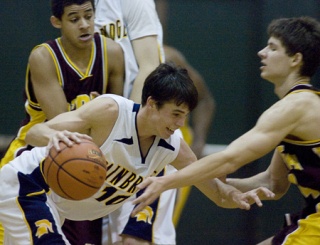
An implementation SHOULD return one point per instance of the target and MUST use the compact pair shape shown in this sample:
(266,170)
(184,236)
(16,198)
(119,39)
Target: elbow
(279,188)
(279,192)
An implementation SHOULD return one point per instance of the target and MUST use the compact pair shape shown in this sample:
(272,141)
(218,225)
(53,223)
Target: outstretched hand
(245,200)
(153,189)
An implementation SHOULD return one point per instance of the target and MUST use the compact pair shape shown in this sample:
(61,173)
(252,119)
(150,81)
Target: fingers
(67,137)
(266,192)
(245,205)
(257,200)
(142,201)
(139,207)
(256,195)
(150,194)
(144,184)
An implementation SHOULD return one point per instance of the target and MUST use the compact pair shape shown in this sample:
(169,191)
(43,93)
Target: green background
(221,40)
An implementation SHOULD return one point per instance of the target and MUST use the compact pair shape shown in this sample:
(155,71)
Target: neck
(75,53)
(283,89)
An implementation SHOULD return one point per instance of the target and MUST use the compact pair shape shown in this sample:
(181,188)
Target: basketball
(75,172)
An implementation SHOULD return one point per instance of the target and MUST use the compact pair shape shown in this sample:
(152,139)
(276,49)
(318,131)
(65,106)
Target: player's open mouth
(171,130)
(85,37)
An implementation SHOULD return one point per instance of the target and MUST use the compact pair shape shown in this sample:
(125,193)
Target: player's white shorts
(156,223)
(26,213)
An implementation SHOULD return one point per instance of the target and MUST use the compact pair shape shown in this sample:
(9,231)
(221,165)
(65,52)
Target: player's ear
(297,59)
(151,102)
(55,22)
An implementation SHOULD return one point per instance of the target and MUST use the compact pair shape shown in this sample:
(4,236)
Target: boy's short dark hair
(57,6)
(168,83)
(299,35)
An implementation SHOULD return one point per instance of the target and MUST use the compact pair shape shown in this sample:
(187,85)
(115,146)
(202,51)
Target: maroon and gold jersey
(76,85)
(303,157)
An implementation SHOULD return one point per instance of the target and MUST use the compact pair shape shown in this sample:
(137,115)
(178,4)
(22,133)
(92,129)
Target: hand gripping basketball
(75,172)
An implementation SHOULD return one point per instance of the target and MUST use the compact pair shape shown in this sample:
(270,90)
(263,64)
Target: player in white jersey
(139,139)
(135,25)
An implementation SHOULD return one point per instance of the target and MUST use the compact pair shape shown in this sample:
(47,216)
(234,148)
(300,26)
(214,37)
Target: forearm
(247,184)
(139,82)
(39,135)
(206,168)
(278,187)
(220,193)
(136,92)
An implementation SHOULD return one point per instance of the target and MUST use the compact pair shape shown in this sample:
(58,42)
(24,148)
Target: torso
(307,98)
(128,165)
(302,157)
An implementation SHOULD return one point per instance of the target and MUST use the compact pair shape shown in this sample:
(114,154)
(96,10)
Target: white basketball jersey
(126,167)
(126,20)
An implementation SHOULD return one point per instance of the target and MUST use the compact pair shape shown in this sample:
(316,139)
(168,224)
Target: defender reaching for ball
(137,142)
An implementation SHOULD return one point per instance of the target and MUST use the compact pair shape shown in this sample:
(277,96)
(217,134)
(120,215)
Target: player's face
(275,62)
(77,24)
(169,118)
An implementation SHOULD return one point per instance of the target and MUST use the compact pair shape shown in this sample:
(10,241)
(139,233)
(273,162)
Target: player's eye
(74,20)
(88,17)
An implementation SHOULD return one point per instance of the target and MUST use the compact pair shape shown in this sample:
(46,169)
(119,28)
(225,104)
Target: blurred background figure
(196,130)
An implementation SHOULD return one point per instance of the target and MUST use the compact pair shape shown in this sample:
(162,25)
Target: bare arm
(47,89)
(147,55)
(271,128)
(94,119)
(220,193)
(115,68)
(274,178)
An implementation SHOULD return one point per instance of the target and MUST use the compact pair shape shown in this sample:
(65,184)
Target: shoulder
(41,58)
(40,53)
(290,112)
(140,16)
(297,102)
(104,109)
(113,101)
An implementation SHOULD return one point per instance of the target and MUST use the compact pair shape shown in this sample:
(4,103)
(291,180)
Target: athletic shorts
(299,230)
(26,213)
(154,224)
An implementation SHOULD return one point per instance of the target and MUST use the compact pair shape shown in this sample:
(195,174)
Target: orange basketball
(76,172)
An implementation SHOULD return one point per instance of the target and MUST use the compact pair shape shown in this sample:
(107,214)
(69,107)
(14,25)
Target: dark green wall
(221,39)
(24,24)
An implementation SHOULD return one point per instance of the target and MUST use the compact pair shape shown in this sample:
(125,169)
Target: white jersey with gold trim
(124,21)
